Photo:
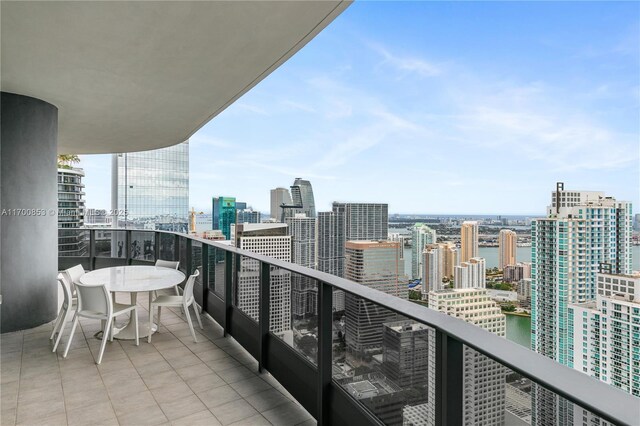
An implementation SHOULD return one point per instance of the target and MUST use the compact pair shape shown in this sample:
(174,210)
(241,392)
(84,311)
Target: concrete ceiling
(138,75)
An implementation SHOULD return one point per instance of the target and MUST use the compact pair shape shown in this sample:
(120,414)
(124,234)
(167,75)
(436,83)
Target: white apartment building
(471,274)
(270,239)
(421,235)
(438,261)
(604,339)
(582,230)
(484,379)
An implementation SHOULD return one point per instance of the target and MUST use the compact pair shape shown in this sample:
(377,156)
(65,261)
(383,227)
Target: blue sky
(435,107)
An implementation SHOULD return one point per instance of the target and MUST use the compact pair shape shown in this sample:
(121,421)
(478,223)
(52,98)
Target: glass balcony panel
(294,311)
(110,243)
(247,287)
(381,359)
(143,246)
(167,247)
(217,265)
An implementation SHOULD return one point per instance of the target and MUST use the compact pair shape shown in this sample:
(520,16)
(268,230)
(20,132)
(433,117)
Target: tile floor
(172,381)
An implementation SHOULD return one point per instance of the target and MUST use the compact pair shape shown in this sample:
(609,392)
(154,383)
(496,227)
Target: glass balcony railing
(379,359)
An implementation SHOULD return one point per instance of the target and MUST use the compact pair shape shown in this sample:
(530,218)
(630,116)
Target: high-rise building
(374,264)
(421,236)
(72,239)
(224,214)
(468,240)
(484,379)
(471,274)
(405,353)
(604,335)
(279,196)
(331,242)
(439,262)
(269,239)
(247,216)
(150,189)
(304,292)
(582,230)
(507,244)
(517,272)
(364,221)
(302,194)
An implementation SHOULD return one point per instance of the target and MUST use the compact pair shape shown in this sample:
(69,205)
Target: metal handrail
(604,400)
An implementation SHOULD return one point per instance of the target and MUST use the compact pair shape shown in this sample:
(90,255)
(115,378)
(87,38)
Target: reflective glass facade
(151,188)
(224,215)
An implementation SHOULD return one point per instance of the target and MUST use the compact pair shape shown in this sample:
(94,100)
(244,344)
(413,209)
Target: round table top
(134,278)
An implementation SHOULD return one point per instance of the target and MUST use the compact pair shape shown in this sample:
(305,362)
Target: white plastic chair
(64,313)
(183,302)
(169,264)
(73,275)
(94,302)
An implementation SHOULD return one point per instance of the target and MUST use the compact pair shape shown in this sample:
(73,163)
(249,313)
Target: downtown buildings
(582,230)
(279,196)
(507,244)
(484,379)
(223,214)
(150,189)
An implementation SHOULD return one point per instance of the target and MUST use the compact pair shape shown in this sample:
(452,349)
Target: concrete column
(28,218)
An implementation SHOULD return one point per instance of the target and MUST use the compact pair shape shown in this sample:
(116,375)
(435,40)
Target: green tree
(415,295)
(65,161)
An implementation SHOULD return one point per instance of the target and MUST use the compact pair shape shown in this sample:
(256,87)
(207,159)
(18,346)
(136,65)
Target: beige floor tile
(205,382)
(203,418)
(236,374)
(177,408)
(256,420)
(155,380)
(36,411)
(177,390)
(250,386)
(101,413)
(287,414)
(233,411)
(266,400)
(86,397)
(218,396)
(149,416)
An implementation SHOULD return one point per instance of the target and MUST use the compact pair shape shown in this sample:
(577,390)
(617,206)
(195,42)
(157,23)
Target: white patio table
(133,279)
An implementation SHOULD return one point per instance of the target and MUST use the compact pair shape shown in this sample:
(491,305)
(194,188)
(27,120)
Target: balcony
(251,365)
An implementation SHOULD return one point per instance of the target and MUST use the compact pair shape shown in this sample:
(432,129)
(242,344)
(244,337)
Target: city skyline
(555,100)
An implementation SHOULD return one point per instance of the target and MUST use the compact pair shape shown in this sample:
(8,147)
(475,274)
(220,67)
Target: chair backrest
(66,289)
(167,263)
(187,295)
(94,299)
(73,275)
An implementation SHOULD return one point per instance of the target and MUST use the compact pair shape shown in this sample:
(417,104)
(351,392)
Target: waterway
(518,328)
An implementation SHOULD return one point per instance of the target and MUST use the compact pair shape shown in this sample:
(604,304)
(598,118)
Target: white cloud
(407,64)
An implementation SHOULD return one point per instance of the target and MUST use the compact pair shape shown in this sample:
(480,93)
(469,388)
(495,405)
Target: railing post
(176,247)
(228,285)
(205,275)
(325,344)
(92,249)
(263,309)
(449,380)
(189,266)
(127,242)
(156,245)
